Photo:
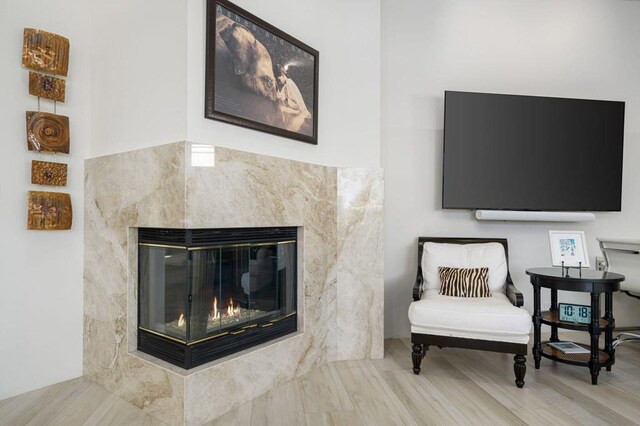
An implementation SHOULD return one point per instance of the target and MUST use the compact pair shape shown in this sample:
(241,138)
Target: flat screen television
(512,152)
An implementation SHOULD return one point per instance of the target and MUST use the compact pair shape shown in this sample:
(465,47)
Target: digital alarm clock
(568,312)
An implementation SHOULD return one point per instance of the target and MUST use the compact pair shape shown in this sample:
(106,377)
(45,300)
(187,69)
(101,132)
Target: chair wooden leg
(417,356)
(520,368)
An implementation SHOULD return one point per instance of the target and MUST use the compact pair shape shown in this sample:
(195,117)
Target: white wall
(40,271)
(572,48)
(136,79)
(347,35)
(148,78)
(139,74)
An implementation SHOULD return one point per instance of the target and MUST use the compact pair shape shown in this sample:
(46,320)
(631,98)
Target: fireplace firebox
(207,293)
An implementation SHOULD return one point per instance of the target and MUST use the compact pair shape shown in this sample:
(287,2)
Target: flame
(230,307)
(215,315)
(181,320)
(231,310)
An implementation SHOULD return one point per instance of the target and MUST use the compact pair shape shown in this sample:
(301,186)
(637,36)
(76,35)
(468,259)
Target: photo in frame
(569,247)
(259,77)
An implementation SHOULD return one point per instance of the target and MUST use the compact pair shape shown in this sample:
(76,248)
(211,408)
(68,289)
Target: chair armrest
(417,287)
(513,293)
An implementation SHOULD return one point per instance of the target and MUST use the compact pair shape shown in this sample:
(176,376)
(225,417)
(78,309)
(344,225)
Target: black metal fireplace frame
(189,356)
(193,354)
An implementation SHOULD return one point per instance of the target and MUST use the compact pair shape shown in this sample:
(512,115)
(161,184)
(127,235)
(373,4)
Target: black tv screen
(511,152)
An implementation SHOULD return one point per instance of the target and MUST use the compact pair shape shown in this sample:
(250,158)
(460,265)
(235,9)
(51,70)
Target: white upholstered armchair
(495,322)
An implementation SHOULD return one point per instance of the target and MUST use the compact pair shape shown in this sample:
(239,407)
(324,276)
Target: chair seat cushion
(484,318)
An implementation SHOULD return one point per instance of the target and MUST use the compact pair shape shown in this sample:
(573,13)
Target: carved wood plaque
(45,51)
(46,173)
(49,211)
(46,86)
(47,132)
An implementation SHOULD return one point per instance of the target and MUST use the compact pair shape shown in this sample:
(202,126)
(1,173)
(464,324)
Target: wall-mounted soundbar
(526,216)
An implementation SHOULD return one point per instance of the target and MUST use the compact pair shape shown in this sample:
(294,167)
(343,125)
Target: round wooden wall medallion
(47,132)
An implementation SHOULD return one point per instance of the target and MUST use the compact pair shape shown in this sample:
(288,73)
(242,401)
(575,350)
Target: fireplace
(207,293)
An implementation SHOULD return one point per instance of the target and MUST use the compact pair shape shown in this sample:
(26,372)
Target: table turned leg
(554,308)
(608,334)
(594,363)
(537,323)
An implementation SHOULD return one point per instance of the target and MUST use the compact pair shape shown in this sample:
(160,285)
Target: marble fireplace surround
(188,185)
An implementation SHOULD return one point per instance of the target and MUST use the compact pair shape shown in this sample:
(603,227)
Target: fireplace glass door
(195,289)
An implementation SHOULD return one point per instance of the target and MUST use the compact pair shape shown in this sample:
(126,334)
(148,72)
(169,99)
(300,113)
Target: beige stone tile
(280,407)
(322,391)
(373,399)
(159,187)
(334,418)
(473,403)
(21,409)
(116,411)
(360,298)
(237,416)
(422,399)
(73,406)
(456,387)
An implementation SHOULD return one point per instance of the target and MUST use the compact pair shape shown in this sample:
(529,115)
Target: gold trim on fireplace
(240,331)
(162,335)
(162,246)
(283,317)
(208,338)
(217,245)
(241,245)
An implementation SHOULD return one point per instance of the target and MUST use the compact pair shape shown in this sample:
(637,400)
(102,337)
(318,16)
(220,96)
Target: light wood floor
(455,387)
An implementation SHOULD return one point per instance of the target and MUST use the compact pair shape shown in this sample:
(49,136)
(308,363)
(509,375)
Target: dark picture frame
(258,76)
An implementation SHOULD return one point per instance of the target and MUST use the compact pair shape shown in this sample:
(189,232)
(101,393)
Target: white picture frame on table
(569,247)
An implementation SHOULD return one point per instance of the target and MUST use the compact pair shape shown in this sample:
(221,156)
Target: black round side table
(586,281)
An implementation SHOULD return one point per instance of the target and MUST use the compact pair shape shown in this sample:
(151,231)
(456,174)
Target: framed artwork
(259,77)
(569,247)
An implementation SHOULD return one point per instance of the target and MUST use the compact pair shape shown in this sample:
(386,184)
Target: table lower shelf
(552,318)
(574,359)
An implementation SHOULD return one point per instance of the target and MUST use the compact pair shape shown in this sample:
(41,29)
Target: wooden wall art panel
(46,86)
(47,132)
(46,173)
(49,211)
(45,51)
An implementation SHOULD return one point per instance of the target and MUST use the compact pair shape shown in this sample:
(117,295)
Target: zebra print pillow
(463,282)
